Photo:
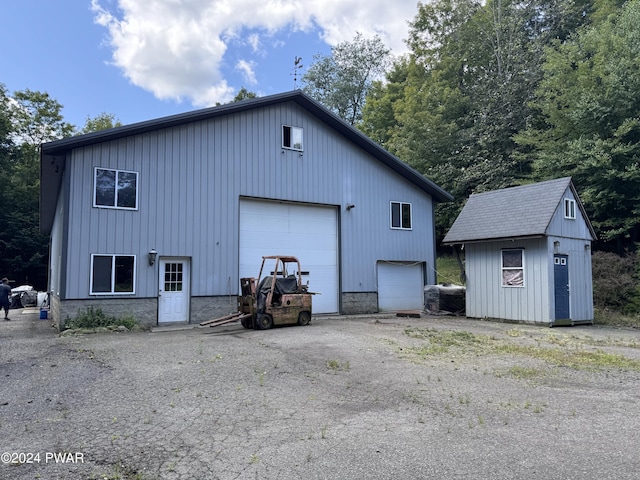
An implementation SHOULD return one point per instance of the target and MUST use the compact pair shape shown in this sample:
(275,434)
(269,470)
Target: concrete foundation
(359,302)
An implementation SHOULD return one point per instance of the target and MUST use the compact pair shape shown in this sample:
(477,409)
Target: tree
(589,125)
(102,121)
(27,119)
(342,80)
(244,94)
(452,107)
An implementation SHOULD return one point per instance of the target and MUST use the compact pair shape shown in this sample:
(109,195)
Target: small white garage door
(400,286)
(308,232)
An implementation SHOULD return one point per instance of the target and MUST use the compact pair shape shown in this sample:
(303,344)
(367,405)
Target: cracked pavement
(345,397)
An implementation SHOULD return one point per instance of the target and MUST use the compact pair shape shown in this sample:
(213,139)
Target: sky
(144,59)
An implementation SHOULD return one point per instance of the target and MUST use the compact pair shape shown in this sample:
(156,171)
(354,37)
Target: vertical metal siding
(487,298)
(192,176)
(568,228)
(580,277)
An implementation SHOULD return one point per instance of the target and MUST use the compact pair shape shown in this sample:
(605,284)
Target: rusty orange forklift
(277,298)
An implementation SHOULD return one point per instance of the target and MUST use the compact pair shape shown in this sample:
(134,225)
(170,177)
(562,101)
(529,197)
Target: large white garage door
(400,286)
(308,232)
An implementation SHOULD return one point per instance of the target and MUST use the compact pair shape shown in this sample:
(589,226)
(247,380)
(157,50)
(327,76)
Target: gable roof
(515,212)
(53,154)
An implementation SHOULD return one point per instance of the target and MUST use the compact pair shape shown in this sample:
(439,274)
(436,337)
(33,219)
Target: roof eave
(497,239)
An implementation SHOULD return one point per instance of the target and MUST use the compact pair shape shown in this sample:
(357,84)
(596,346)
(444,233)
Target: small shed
(527,254)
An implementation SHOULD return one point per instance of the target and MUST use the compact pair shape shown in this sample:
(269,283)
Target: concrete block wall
(359,302)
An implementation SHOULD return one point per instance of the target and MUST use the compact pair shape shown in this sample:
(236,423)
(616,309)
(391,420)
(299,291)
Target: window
(401,215)
(173,277)
(112,274)
(115,189)
(513,268)
(569,208)
(292,137)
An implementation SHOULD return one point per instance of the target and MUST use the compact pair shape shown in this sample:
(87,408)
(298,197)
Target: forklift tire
(246,323)
(304,318)
(265,321)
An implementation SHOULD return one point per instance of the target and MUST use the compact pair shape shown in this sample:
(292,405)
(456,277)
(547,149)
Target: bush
(615,282)
(94,318)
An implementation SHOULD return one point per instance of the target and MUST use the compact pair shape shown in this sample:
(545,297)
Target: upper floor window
(112,274)
(569,208)
(401,215)
(513,267)
(292,137)
(115,189)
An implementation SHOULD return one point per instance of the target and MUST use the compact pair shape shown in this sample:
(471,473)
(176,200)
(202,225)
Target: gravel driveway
(376,397)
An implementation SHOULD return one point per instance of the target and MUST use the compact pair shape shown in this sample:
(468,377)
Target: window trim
(117,171)
(503,269)
(291,129)
(569,208)
(113,279)
(401,204)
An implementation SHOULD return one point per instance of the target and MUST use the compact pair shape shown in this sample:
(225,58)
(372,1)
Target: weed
(524,372)
(95,318)
(336,366)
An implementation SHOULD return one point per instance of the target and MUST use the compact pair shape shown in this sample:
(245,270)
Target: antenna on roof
(296,66)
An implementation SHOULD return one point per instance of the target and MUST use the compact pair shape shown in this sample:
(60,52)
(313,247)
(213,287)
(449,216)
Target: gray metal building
(162,218)
(527,254)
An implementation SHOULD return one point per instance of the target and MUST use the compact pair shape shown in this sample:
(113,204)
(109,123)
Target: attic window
(292,137)
(401,216)
(569,208)
(513,267)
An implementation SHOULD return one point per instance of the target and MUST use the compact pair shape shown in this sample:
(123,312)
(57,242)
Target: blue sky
(142,59)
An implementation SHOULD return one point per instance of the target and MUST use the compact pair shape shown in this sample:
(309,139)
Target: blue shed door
(561,285)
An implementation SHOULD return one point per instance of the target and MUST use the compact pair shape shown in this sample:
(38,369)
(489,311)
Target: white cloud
(246,68)
(176,49)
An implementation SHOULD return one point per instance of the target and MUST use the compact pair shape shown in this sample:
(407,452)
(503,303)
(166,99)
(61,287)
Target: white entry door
(173,294)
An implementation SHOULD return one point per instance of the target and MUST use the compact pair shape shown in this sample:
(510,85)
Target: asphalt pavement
(365,397)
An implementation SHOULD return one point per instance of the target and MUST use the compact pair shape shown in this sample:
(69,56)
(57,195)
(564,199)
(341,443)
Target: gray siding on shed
(487,298)
(570,228)
(535,302)
(580,277)
(192,176)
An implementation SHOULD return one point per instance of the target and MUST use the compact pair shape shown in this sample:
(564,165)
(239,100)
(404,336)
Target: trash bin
(44,314)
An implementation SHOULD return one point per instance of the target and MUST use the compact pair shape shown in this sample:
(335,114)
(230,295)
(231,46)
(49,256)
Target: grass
(606,317)
(555,350)
(447,269)
(336,366)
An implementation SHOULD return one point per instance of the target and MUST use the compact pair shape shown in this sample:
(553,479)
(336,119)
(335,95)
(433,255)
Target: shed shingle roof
(515,212)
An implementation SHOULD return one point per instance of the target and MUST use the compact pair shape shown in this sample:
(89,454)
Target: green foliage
(589,126)
(27,119)
(95,318)
(342,80)
(616,282)
(244,94)
(102,121)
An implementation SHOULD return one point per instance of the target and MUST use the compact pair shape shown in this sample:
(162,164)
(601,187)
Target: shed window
(513,268)
(569,208)
(292,137)
(112,274)
(115,189)
(401,215)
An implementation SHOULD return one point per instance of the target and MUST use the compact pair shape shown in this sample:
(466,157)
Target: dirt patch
(357,397)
